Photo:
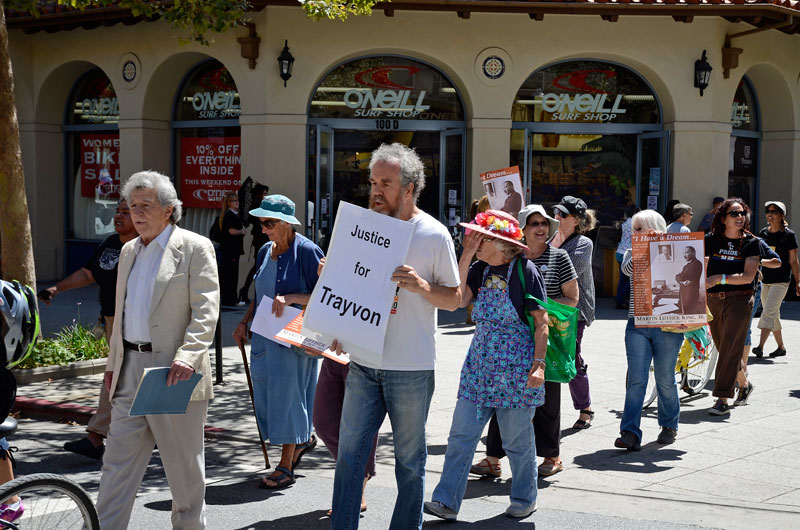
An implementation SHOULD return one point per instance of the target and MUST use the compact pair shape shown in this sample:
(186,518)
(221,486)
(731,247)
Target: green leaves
(337,9)
(73,343)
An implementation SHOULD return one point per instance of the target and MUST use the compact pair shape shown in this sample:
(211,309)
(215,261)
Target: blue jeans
(516,430)
(371,394)
(756,304)
(641,346)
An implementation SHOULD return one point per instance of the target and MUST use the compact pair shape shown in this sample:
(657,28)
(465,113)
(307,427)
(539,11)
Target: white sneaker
(519,511)
(439,510)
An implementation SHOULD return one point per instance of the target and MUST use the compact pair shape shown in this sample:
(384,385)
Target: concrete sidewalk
(732,472)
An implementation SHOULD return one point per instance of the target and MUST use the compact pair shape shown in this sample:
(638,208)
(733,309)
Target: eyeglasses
(773,212)
(558,213)
(736,213)
(638,228)
(534,224)
(269,224)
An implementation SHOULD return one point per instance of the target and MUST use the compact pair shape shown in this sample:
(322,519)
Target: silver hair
(651,220)
(153,180)
(412,170)
(679,210)
(509,250)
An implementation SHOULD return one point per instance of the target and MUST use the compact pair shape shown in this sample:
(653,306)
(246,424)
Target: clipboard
(153,396)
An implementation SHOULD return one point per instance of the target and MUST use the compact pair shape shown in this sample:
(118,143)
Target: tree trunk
(16,243)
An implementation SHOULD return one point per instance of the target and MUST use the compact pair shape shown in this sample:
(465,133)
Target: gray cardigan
(580,250)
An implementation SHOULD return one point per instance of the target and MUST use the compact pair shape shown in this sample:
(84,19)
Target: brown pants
(729,330)
(101,419)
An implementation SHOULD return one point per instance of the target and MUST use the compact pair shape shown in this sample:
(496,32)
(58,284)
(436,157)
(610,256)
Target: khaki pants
(772,295)
(130,446)
(101,419)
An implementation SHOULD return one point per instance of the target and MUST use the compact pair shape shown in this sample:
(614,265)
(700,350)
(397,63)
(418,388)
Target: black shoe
(86,448)
(719,409)
(780,352)
(758,352)
(667,436)
(628,440)
(744,393)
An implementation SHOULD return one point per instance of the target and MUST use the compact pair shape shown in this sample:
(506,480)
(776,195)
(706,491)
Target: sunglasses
(269,224)
(534,224)
(773,212)
(559,213)
(736,213)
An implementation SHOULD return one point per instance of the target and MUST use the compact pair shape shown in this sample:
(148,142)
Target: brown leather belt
(142,347)
(726,294)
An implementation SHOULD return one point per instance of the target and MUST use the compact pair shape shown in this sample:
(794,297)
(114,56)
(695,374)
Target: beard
(386,207)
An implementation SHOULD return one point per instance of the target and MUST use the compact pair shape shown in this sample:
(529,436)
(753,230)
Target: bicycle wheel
(698,372)
(650,391)
(50,501)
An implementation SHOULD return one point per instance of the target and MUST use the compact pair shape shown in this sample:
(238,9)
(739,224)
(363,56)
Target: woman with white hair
(643,345)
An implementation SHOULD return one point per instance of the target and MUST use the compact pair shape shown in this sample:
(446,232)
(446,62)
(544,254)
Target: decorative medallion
(493,67)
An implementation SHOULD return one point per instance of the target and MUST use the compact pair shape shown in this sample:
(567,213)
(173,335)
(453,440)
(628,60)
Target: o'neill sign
(391,101)
(583,107)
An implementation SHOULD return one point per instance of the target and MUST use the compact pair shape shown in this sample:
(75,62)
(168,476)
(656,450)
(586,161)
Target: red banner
(99,170)
(210,169)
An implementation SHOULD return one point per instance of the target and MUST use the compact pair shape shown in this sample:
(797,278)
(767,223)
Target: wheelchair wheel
(49,501)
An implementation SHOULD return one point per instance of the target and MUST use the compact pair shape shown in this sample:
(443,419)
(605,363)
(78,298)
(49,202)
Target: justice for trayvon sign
(353,297)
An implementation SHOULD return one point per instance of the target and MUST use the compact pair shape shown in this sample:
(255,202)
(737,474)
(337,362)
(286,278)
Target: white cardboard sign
(353,297)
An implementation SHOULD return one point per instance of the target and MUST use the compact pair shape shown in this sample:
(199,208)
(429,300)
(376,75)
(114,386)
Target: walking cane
(252,401)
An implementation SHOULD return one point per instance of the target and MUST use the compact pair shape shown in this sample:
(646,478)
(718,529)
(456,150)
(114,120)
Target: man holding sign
(402,383)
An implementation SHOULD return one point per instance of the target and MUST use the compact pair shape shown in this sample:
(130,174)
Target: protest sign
(504,189)
(669,280)
(210,169)
(266,324)
(353,297)
(293,334)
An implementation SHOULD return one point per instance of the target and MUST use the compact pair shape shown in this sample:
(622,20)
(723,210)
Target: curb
(44,373)
(50,410)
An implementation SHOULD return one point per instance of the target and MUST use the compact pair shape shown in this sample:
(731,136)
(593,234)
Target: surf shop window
(90,126)
(744,146)
(576,132)
(207,143)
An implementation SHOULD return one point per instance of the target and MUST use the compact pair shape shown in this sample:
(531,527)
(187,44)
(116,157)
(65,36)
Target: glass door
(521,155)
(321,218)
(652,170)
(451,169)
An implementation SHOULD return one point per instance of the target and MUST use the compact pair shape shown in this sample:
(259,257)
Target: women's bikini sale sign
(353,297)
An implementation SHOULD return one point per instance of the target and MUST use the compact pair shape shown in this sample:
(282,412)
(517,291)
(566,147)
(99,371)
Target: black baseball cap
(570,205)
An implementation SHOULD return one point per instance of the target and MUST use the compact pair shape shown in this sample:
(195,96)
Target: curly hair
(718,224)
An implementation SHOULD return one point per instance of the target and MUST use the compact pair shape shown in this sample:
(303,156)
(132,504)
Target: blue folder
(153,396)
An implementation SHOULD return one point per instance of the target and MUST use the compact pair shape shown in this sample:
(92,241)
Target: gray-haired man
(402,385)
(168,303)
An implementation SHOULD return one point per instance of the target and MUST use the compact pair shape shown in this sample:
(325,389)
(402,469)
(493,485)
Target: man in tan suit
(168,303)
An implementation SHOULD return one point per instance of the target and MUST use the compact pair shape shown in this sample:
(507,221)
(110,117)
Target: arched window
(590,129)
(92,140)
(207,136)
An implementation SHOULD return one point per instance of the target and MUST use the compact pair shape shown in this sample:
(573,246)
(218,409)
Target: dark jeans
(228,280)
(579,386)
(328,409)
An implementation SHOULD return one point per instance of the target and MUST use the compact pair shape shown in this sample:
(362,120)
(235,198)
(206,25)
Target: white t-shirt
(410,342)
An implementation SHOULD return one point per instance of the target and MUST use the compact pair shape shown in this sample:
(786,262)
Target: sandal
(308,446)
(550,467)
(485,468)
(283,478)
(584,424)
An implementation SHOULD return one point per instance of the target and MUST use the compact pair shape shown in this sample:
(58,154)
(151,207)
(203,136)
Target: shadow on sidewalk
(645,461)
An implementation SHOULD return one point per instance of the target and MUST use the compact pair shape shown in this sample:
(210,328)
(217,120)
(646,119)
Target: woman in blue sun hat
(284,379)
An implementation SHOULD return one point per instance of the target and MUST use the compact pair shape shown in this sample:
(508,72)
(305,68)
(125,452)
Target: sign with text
(292,334)
(353,297)
(669,280)
(210,169)
(504,189)
(100,166)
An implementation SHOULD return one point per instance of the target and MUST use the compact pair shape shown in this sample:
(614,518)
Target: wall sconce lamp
(702,73)
(285,62)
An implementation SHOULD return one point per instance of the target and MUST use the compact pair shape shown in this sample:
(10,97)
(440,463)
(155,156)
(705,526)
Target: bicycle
(50,501)
(692,372)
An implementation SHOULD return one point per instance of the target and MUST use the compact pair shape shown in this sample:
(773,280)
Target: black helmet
(19,322)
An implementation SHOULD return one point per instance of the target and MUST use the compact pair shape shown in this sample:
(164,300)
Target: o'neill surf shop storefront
(591,129)
(383,99)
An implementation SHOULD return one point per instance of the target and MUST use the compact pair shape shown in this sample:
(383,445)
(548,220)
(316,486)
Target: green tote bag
(561,338)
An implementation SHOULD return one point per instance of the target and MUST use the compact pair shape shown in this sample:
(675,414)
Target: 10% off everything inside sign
(353,298)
